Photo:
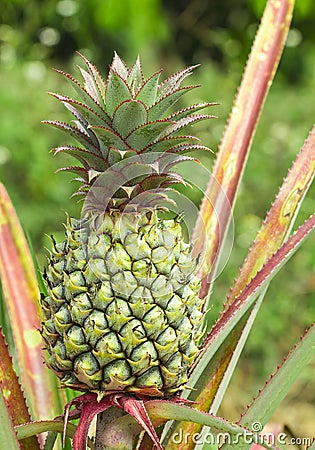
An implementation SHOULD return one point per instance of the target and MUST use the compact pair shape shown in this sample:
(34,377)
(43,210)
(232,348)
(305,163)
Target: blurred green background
(37,35)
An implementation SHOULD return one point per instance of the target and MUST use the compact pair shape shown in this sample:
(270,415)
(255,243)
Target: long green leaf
(41,426)
(21,295)
(273,392)
(8,436)
(13,395)
(30,429)
(161,409)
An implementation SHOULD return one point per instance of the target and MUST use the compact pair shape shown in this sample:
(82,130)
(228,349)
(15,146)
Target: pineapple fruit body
(123,311)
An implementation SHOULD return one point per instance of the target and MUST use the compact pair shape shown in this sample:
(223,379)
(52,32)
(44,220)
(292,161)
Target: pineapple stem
(111,437)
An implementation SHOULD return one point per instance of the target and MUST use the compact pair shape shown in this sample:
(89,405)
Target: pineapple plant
(123,311)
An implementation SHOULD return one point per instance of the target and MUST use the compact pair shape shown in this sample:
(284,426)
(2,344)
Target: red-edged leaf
(191,109)
(89,411)
(235,145)
(173,82)
(274,263)
(160,107)
(21,296)
(280,217)
(137,410)
(79,108)
(184,122)
(79,134)
(13,395)
(86,97)
(98,80)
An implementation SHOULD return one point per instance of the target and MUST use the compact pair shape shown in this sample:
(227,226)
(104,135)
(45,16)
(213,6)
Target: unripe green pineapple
(122,311)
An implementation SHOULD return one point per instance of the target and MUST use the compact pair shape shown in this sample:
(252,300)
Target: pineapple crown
(128,142)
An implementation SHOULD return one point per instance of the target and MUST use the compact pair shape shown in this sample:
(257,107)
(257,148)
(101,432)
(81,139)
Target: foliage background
(37,35)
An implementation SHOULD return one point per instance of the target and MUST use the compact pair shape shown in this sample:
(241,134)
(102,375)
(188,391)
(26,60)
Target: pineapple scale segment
(123,311)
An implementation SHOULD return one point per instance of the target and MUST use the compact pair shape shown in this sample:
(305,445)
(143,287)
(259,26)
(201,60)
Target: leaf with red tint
(21,295)
(137,410)
(281,216)
(89,405)
(263,276)
(89,411)
(231,158)
(277,387)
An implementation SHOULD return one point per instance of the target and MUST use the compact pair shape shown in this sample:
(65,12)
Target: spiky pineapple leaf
(83,94)
(185,148)
(274,230)
(117,92)
(192,109)
(119,66)
(236,310)
(80,135)
(165,143)
(184,122)
(12,394)
(109,138)
(135,77)
(160,107)
(87,158)
(147,93)
(22,304)
(89,85)
(76,107)
(280,218)
(172,83)
(145,134)
(98,79)
(128,116)
(276,388)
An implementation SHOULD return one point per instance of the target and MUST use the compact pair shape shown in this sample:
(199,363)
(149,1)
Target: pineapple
(122,312)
